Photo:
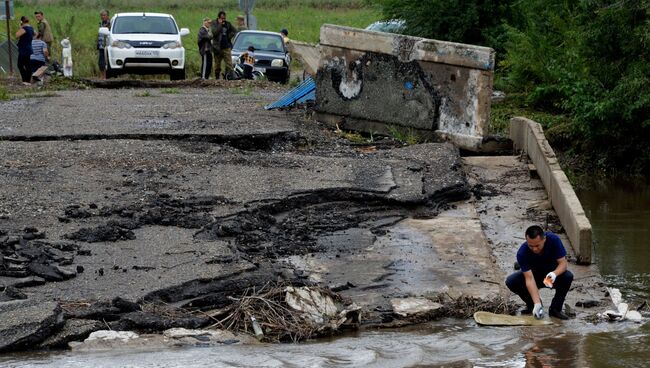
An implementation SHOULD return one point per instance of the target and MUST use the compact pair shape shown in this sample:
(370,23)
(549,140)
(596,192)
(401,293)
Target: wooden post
(11,59)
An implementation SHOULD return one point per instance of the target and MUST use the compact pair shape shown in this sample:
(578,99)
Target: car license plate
(261,70)
(147,52)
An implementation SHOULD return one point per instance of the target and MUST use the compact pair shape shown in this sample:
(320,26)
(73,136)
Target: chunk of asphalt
(48,272)
(125,306)
(73,330)
(25,323)
(27,282)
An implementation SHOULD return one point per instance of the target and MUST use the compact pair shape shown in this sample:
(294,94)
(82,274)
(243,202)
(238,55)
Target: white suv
(144,43)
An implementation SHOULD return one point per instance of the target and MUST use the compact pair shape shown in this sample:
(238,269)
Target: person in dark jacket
(205,48)
(101,42)
(25,35)
(222,35)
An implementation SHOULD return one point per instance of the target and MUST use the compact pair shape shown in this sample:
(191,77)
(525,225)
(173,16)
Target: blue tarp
(305,91)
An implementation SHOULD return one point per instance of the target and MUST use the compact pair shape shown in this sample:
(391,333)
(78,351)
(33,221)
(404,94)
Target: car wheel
(177,74)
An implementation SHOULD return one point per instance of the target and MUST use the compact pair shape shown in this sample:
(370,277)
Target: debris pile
(465,306)
(288,313)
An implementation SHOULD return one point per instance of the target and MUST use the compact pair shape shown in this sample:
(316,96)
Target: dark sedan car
(271,54)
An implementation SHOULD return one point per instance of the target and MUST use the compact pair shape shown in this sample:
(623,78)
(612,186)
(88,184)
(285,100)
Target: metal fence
(4,57)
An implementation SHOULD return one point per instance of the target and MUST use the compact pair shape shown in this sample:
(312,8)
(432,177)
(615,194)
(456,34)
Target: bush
(591,60)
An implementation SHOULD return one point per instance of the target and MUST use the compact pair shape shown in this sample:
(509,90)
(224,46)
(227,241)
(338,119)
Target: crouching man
(543,263)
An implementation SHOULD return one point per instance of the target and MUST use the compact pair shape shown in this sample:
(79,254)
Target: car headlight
(121,45)
(277,62)
(172,45)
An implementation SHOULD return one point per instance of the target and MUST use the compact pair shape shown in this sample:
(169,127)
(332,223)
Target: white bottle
(256,327)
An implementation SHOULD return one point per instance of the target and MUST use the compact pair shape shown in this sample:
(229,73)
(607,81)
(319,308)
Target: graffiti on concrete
(347,80)
(376,87)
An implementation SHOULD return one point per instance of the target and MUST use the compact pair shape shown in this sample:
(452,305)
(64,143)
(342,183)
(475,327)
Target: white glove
(552,275)
(538,311)
(549,280)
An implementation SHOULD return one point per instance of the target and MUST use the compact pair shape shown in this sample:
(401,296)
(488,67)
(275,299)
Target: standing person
(40,53)
(241,23)
(249,61)
(25,36)
(44,29)
(543,263)
(205,48)
(222,34)
(101,42)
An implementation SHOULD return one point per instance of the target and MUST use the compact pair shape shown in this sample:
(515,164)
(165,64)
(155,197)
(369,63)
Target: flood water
(620,215)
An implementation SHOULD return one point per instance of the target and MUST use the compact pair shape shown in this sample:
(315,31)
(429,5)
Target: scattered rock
(414,307)
(588,303)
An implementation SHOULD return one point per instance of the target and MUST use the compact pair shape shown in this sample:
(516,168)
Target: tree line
(588,59)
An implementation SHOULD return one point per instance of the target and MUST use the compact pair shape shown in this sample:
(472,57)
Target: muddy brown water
(619,214)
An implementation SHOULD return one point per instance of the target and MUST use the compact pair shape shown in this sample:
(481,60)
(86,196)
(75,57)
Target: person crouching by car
(248,59)
(40,53)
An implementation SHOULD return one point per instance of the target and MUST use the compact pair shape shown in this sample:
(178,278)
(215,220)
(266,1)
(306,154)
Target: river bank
(117,202)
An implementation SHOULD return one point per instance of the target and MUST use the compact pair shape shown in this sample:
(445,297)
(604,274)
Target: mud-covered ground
(146,208)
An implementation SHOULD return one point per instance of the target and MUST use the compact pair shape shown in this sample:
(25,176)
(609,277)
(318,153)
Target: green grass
(244,90)
(143,94)
(170,91)
(405,135)
(174,4)
(78,20)
(4,94)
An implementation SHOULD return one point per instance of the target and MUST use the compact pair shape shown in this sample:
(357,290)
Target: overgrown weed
(405,135)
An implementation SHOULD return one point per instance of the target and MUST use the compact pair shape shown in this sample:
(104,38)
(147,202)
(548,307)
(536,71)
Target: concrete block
(536,155)
(572,215)
(408,48)
(406,81)
(518,132)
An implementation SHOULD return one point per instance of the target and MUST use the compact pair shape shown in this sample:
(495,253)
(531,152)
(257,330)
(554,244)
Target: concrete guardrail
(528,136)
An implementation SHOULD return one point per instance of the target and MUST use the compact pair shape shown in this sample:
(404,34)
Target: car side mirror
(104,31)
(185,31)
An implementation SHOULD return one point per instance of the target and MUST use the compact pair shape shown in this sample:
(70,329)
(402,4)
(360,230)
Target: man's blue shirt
(546,261)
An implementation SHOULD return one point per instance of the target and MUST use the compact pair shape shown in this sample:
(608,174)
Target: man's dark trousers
(516,282)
